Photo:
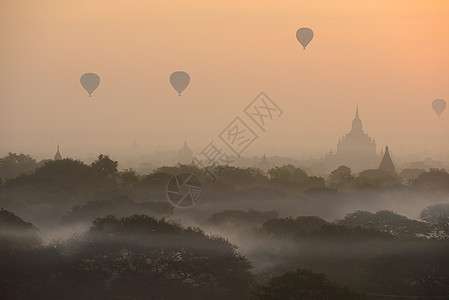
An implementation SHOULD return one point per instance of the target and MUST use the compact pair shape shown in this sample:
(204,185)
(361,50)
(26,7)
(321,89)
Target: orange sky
(390,57)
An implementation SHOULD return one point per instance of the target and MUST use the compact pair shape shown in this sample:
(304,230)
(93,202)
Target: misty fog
(224,150)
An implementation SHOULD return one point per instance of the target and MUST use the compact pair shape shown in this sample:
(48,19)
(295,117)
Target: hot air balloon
(179,81)
(439,105)
(90,82)
(304,36)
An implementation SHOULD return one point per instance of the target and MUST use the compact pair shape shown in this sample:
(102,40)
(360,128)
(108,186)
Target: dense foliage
(306,237)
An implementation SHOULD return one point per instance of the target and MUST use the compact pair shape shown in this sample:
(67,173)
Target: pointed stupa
(387,164)
(57,155)
(185,154)
(264,164)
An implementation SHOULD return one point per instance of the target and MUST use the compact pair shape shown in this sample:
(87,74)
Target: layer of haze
(389,57)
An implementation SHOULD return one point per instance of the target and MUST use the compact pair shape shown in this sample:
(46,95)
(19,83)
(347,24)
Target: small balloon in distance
(90,82)
(304,35)
(179,80)
(439,105)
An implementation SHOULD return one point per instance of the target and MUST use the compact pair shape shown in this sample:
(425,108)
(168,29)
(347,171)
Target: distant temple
(185,154)
(387,164)
(356,149)
(57,155)
(135,147)
(264,164)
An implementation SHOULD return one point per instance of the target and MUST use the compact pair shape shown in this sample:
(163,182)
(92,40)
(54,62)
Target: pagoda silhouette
(185,154)
(356,149)
(58,155)
(387,163)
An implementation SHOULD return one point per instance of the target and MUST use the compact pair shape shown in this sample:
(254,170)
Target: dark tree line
(137,257)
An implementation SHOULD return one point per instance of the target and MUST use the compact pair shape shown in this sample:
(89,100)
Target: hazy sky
(390,57)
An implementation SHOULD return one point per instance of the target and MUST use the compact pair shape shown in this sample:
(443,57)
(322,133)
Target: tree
(179,168)
(242,178)
(376,178)
(129,177)
(240,219)
(119,205)
(304,285)
(66,175)
(137,257)
(153,186)
(287,173)
(314,183)
(437,216)
(412,268)
(145,258)
(65,168)
(434,180)
(409,175)
(105,166)
(15,233)
(12,165)
(341,176)
(386,221)
(290,226)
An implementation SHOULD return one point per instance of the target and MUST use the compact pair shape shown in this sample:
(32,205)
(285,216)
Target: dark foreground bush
(304,285)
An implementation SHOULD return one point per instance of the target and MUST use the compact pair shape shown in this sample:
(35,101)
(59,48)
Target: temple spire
(185,154)
(58,155)
(357,123)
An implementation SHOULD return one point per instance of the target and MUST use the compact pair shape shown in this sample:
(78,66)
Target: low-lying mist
(375,235)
